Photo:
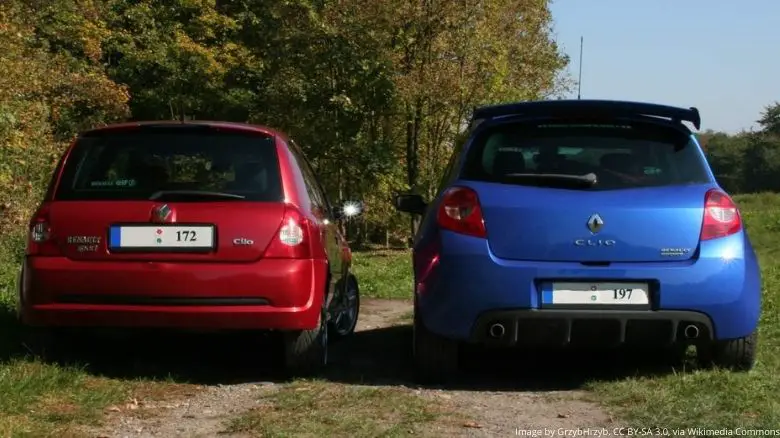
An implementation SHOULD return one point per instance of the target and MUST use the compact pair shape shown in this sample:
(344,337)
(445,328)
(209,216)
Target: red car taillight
(293,238)
(461,213)
(41,240)
(721,216)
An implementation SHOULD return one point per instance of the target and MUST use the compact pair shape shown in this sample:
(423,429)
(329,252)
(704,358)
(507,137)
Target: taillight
(721,216)
(293,238)
(461,213)
(41,240)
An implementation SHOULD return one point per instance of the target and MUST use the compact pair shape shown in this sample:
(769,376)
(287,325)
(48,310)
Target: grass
(384,274)
(46,400)
(41,400)
(317,408)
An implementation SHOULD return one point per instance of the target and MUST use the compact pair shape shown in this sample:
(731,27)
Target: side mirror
(347,210)
(410,203)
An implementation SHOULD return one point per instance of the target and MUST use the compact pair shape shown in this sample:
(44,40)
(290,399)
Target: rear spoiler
(613,108)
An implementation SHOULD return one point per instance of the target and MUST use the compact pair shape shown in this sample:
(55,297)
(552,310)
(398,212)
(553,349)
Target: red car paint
(73,279)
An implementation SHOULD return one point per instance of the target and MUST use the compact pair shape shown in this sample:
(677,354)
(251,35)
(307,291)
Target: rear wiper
(554,179)
(192,194)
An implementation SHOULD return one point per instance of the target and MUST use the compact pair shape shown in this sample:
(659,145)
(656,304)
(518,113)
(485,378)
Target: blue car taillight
(461,213)
(721,216)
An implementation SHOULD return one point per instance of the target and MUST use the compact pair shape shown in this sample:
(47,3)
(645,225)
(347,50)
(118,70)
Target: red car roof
(216,124)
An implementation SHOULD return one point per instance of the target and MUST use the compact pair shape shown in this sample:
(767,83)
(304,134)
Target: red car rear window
(133,165)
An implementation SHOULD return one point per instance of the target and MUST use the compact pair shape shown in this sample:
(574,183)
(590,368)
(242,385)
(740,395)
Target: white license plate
(597,294)
(156,238)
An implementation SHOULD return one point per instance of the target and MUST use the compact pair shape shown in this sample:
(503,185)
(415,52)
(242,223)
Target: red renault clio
(193,225)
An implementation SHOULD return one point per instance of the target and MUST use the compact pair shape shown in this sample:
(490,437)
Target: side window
(312,185)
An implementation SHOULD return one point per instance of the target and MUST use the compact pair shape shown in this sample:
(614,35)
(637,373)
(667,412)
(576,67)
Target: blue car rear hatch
(591,181)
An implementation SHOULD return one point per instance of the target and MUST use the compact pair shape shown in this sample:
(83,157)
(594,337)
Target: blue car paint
(724,284)
(719,278)
(541,224)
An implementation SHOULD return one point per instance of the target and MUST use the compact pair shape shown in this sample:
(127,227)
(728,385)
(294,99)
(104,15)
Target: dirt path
(492,404)
(377,356)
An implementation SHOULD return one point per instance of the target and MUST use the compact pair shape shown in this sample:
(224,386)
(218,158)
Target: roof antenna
(579,80)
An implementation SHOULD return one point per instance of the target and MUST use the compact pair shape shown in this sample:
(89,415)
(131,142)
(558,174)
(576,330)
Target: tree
(770,119)
(50,88)
(374,95)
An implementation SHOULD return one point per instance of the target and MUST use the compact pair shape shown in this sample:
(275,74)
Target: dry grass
(317,409)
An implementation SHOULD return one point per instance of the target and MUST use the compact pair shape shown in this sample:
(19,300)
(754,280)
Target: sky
(721,56)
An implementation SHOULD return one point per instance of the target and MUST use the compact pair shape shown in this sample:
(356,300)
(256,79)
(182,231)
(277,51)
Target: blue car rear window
(133,165)
(620,155)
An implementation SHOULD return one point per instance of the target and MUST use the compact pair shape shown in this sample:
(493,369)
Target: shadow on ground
(10,334)
(372,357)
(383,357)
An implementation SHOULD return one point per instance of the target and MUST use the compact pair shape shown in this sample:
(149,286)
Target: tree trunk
(411,158)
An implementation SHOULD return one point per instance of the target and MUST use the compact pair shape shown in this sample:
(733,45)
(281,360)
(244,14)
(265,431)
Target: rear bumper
(268,294)
(590,328)
(720,290)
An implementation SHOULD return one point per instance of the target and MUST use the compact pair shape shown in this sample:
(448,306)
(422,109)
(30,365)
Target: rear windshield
(620,156)
(133,165)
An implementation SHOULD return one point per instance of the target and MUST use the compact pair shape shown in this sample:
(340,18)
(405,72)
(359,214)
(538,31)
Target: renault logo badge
(595,223)
(162,213)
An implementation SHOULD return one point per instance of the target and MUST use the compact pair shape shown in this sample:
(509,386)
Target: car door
(331,238)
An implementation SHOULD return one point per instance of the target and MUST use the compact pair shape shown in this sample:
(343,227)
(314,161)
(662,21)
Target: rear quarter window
(620,155)
(133,165)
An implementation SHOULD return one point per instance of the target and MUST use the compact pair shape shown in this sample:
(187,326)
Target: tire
(306,351)
(436,359)
(732,354)
(341,328)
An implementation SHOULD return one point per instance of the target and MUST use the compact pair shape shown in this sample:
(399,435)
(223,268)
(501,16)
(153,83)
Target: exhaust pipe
(497,331)
(691,332)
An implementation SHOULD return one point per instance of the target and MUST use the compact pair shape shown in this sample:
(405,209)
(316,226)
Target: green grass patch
(718,399)
(384,274)
(316,408)
(46,400)
(38,399)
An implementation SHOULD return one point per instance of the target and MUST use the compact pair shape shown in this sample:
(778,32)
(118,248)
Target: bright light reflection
(351,209)
(729,253)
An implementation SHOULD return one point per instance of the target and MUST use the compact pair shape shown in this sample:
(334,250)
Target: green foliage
(48,91)
(374,95)
(384,274)
(748,162)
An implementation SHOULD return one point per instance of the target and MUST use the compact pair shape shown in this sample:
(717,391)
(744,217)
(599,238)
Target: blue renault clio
(582,222)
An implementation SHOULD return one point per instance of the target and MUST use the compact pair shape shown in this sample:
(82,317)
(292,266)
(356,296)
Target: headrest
(508,160)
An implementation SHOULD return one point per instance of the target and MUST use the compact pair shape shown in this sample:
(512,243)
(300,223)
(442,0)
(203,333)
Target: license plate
(161,238)
(583,294)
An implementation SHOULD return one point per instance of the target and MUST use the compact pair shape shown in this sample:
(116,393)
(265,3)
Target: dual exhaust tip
(498,331)
(691,331)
